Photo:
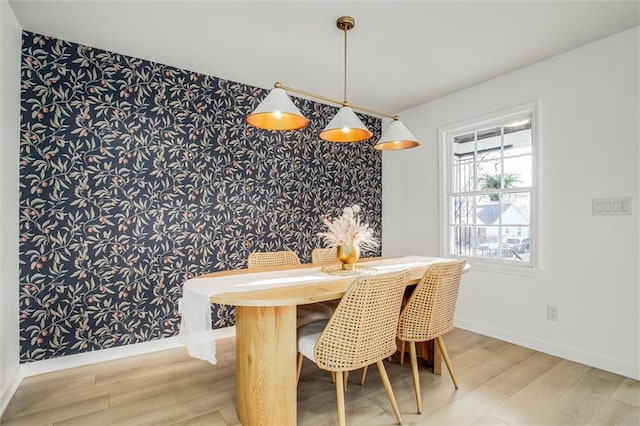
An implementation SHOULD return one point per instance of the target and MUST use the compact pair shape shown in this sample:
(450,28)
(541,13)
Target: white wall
(10,36)
(589,148)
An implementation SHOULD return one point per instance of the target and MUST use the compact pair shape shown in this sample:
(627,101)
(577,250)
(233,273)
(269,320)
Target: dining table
(266,341)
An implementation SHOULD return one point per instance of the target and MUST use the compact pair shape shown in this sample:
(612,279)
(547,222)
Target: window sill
(502,268)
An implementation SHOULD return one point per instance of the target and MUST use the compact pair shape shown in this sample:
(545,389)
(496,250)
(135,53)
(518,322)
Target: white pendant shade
(345,127)
(277,112)
(397,136)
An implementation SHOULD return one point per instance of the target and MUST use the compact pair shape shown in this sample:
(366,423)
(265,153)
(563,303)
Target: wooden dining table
(266,342)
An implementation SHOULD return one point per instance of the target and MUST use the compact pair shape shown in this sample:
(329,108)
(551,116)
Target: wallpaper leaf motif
(136,176)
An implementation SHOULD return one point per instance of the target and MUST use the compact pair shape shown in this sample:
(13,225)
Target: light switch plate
(611,206)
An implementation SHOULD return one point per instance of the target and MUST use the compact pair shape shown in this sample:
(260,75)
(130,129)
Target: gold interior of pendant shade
(396,136)
(345,126)
(339,135)
(277,121)
(388,146)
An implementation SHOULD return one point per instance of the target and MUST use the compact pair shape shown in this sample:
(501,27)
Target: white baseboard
(567,352)
(71,361)
(9,390)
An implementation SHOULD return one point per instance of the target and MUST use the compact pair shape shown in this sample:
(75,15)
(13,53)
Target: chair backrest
(430,309)
(319,255)
(362,330)
(273,258)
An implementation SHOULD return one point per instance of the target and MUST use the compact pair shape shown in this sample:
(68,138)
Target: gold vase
(348,256)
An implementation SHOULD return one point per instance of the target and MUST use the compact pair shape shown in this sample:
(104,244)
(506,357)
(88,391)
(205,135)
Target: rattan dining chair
(361,332)
(323,255)
(272,258)
(429,314)
(304,313)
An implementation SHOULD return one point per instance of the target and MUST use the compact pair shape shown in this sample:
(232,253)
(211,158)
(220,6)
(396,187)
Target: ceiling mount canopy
(278,112)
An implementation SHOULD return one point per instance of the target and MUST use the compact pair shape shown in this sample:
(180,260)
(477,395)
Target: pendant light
(278,112)
(345,126)
(397,136)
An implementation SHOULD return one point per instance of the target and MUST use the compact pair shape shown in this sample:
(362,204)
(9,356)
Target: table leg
(437,358)
(266,365)
(430,352)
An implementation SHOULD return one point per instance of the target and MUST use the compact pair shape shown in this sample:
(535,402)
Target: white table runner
(195,329)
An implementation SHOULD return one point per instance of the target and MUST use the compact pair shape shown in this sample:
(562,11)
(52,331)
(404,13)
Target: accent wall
(136,176)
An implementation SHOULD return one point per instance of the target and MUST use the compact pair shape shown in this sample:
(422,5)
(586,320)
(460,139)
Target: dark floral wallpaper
(136,176)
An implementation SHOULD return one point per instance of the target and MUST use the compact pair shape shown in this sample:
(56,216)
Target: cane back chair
(429,314)
(361,332)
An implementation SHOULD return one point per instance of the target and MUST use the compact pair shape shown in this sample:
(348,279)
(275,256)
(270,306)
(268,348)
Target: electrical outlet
(552,313)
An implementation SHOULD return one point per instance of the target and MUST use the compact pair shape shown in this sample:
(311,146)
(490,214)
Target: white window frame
(445,154)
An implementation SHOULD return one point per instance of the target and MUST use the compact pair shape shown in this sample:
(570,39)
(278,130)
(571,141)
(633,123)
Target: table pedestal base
(266,365)
(428,351)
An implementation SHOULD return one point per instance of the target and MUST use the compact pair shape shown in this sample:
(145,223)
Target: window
(489,188)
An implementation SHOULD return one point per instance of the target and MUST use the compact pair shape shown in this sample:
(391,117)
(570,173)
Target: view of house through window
(490,188)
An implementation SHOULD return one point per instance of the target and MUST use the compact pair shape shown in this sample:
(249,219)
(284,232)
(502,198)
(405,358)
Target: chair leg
(299,366)
(345,375)
(364,374)
(340,399)
(402,352)
(333,376)
(387,387)
(416,376)
(447,361)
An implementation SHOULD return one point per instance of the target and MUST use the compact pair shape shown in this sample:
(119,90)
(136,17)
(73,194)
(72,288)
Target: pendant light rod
(345,23)
(345,28)
(279,85)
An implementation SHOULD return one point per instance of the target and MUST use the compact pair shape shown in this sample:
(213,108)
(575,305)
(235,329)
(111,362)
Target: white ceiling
(400,54)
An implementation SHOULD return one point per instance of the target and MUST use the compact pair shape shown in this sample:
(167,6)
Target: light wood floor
(500,383)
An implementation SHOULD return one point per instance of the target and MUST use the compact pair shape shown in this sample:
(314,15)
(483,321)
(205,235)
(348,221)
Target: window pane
(488,210)
(490,147)
(464,144)
(517,143)
(517,247)
(462,210)
(516,208)
(491,154)
(460,243)
(491,132)
(487,242)
(518,123)
(513,254)
(517,172)
(489,175)
(462,174)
